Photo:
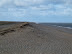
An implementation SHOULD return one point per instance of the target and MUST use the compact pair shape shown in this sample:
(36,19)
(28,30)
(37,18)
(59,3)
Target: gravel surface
(36,39)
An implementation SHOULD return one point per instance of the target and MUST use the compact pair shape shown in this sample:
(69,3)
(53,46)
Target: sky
(36,10)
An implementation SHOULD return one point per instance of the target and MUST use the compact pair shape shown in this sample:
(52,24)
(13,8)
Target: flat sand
(35,39)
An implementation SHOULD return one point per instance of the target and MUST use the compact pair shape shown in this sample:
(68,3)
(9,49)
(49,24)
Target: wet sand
(35,39)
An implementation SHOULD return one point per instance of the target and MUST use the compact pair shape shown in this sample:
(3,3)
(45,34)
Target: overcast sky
(36,10)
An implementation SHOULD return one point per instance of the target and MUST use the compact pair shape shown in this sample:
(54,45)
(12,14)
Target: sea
(63,25)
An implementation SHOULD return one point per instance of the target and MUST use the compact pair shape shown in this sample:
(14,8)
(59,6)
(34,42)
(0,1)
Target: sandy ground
(36,39)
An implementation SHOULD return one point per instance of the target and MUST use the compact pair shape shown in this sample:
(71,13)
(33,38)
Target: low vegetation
(12,28)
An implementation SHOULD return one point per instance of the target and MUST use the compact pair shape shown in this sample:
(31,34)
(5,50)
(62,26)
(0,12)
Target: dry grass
(13,28)
(6,23)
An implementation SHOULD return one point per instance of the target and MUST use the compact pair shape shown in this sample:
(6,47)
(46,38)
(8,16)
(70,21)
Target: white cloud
(21,2)
(27,2)
(2,2)
(35,2)
(36,7)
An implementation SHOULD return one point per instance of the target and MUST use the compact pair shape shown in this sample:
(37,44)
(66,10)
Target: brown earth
(31,38)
